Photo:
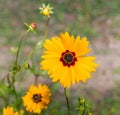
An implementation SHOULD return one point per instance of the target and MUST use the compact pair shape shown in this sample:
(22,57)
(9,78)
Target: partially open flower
(46,10)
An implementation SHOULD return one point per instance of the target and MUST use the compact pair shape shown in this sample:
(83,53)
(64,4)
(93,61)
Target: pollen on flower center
(68,58)
(45,10)
(37,98)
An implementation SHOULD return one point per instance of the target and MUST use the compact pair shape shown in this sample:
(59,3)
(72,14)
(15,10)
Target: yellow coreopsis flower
(37,98)
(46,10)
(9,111)
(66,61)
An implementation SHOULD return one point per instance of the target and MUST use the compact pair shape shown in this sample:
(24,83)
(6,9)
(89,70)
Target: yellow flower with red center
(9,111)
(46,10)
(37,98)
(66,61)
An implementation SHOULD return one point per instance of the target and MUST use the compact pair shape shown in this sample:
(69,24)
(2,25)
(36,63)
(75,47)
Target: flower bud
(46,10)
(26,65)
(33,25)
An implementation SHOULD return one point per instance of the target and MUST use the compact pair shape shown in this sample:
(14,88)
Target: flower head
(46,10)
(37,98)
(66,61)
(9,111)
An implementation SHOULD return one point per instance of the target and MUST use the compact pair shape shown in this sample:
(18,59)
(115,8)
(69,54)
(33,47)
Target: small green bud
(83,107)
(26,65)
(81,100)
(16,68)
(21,112)
(89,113)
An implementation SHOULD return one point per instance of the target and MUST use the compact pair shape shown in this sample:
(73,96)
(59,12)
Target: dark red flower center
(37,98)
(68,58)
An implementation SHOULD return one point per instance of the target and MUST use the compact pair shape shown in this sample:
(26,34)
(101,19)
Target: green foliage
(116,70)
(83,108)
(25,11)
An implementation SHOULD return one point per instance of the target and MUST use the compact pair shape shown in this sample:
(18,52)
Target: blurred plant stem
(32,52)
(47,27)
(36,79)
(19,46)
(12,86)
(67,101)
(14,68)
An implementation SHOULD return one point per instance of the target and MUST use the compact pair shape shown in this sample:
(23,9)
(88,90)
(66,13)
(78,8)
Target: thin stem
(47,27)
(67,101)
(19,46)
(16,96)
(32,52)
(11,84)
(84,109)
(8,79)
(36,79)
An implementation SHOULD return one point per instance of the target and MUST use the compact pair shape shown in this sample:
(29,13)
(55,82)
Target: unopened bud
(90,114)
(26,65)
(81,100)
(33,25)
(21,112)
(16,68)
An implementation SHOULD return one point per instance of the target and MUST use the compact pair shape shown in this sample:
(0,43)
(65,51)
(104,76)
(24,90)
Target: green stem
(83,110)
(36,79)
(16,96)
(19,46)
(67,101)
(11,84)
(47,27)
(8,79)
(13,79)
(32,52)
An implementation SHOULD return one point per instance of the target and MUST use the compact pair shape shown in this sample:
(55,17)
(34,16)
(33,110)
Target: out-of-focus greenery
(110,104)
(75,16)
(116,70)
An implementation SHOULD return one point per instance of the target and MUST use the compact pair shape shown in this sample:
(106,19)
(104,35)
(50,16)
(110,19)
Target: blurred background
(98,20)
